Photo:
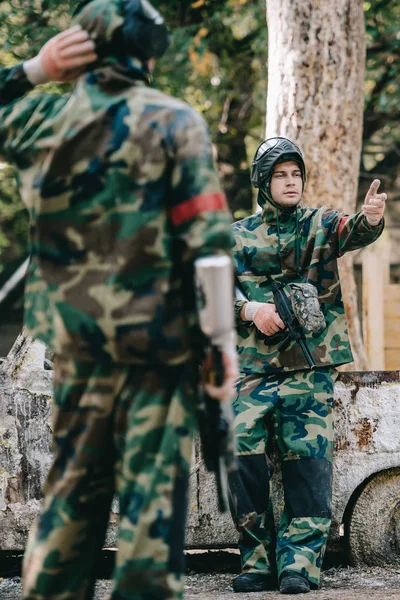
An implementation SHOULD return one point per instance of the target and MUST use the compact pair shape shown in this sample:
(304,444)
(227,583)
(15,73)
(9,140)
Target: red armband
(341,225)
(197,205)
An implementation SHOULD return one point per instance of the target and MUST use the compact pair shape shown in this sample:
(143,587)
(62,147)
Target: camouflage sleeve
(239,267)
(13,84)
(349,232)
(197,206)
(237,307)
(16,111)
(355,232)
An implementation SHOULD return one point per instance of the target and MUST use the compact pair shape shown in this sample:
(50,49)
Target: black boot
(254,582)
(293,583)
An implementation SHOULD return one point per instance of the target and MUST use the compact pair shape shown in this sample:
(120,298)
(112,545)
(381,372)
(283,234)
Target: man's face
(286,184)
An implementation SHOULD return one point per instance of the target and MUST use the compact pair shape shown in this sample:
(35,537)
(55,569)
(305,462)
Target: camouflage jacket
(122,193)
(266,243)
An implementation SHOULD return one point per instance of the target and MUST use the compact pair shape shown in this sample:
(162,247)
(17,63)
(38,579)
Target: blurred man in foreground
(123,199)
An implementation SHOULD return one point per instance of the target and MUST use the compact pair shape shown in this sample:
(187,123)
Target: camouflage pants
(295,411)
(117,429)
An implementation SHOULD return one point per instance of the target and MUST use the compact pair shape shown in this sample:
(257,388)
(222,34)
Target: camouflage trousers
(124,430)
(293,412)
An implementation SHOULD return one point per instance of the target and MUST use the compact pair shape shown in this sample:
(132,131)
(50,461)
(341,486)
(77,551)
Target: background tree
(315,97)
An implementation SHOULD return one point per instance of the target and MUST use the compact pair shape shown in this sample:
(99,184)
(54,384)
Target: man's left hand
(374,204)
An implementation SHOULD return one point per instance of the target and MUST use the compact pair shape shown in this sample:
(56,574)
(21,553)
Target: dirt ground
(337,584)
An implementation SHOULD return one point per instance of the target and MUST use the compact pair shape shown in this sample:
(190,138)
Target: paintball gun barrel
(214,294)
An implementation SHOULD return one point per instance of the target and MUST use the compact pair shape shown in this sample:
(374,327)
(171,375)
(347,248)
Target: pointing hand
(374,204)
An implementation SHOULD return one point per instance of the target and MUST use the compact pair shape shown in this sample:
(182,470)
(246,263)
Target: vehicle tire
(373,528)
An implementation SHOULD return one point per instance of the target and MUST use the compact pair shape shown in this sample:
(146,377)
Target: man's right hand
(226,391)
(228,371)
(62,58)
(264,316)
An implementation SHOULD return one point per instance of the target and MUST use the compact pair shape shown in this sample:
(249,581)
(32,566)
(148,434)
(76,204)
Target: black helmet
(271,152)
(144,32)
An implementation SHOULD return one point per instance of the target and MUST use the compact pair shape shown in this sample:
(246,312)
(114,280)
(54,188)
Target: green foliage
(24,26)
(381,155)
(217,63)
(13,219)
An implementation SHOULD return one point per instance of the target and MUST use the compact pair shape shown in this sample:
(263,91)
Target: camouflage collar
(114,77)
(271,211)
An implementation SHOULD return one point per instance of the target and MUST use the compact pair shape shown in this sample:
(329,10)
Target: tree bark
(316,61)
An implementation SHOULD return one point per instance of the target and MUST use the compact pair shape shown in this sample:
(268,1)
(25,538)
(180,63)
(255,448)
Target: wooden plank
(392,326)
(392,333)
(392,301)
(374,279)
(392,359)
(392,291)
(392,310)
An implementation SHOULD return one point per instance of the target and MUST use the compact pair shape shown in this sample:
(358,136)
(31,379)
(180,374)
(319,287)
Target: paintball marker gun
(214,295)
(285,310)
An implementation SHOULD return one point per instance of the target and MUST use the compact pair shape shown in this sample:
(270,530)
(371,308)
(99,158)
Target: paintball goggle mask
(270,153)
(133,26)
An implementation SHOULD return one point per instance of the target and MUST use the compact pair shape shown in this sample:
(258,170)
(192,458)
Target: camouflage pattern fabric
(294,411)
(306,307)
(122,193)
(124,429)
(102,19)
(266,242)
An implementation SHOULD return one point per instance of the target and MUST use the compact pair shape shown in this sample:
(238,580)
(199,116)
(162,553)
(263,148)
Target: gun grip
(218,366)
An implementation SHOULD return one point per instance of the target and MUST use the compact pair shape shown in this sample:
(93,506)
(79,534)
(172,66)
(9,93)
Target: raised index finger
(373,188)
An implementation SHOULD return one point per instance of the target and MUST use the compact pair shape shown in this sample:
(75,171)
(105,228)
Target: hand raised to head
(62,58)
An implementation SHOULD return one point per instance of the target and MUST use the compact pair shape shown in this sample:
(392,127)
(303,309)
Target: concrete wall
(367,440)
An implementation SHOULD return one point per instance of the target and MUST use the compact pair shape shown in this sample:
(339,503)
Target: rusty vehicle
(366,496)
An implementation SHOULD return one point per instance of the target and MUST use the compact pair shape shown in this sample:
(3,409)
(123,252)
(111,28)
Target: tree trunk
(316,61)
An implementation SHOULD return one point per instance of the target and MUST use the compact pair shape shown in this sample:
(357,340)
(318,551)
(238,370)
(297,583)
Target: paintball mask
(269,153)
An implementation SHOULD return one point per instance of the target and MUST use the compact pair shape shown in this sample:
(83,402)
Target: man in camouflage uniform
(123,197)
(279,396)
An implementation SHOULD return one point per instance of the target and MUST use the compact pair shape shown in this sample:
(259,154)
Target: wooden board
(392,359)
(392,301)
